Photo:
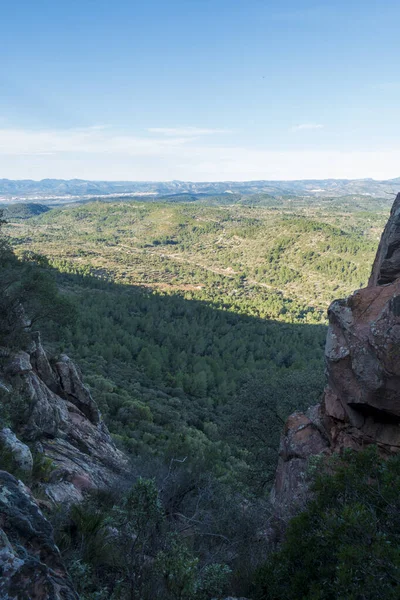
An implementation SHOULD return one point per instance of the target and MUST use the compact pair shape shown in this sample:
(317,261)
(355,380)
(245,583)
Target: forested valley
(199,329)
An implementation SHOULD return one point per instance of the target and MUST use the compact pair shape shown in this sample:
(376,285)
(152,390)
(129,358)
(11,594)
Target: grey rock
(19,363)
(82,452)
(72,388)
(41,364)
(61,417)
(48,414)
(21,454)
(30,562)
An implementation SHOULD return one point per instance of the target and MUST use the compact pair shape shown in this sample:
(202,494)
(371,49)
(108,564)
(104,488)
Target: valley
(181,310)
(199,329)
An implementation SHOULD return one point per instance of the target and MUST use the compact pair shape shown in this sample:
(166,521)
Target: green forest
(180,311)
(199,329)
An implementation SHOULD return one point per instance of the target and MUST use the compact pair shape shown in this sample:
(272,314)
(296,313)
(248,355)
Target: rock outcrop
(30,562)
(361,403)
(303,436)
(61,420)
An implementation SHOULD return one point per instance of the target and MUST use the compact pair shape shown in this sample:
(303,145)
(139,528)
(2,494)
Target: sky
(199,90)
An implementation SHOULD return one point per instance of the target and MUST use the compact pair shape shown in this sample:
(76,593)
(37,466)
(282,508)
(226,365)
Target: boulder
(30,563)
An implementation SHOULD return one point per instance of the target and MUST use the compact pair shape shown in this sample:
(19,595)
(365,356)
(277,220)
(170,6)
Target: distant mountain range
(61,190)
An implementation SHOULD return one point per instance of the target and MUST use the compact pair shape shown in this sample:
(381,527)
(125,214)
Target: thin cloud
(90,140)
(307,126)
(97,139)
(106,154)
(186,131)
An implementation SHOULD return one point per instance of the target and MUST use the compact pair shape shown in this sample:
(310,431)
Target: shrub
(346,543)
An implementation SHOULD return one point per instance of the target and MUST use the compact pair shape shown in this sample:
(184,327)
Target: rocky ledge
(361,403)
(62,422)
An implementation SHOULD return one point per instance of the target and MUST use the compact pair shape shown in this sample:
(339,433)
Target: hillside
(287,264)
(24,210)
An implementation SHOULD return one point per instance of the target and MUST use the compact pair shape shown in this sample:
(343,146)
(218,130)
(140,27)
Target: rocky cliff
(61,426)
(361,402)
(61,421)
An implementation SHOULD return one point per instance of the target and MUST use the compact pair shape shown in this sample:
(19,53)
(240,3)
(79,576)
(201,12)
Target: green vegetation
(28,295)
(24,210)
(199,329)
(126,543)
(191,319)
(274,264)
(346,543)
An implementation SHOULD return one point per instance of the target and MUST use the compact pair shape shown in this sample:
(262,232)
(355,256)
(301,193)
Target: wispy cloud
(94,140)
(186,131)
(305,126)
(97,153)
(98,139)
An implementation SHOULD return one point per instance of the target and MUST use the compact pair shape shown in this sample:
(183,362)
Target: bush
(346,543)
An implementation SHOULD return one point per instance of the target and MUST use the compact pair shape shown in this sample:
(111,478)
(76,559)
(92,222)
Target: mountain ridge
(28,189)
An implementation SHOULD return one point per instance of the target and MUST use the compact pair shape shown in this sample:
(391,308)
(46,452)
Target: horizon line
(234,181)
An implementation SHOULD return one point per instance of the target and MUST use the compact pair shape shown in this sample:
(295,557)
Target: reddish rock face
(362,353)
(361,403)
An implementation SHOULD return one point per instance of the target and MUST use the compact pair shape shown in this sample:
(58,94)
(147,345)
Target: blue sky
(199,89)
